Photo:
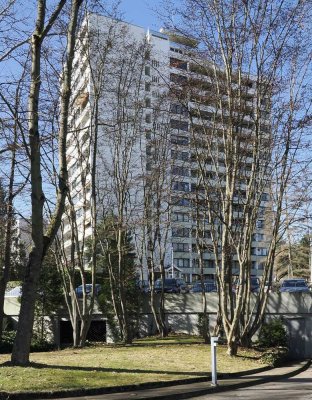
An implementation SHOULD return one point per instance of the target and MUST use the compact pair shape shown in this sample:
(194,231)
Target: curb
(240,385)
(155,385)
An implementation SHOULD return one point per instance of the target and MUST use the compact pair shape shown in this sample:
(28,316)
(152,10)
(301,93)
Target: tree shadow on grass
(118,370)
(255,358)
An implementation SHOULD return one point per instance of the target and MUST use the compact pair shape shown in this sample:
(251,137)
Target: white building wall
(116,41)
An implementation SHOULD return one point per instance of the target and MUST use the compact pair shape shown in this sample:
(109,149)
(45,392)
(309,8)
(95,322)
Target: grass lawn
(149,360)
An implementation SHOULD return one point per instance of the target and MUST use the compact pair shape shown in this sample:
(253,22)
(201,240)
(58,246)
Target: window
(178,109)
(180,217)
(206,115)
(176,50)
(148,118)
(260,224)
(155,79)
(201,234)
(180,232)
(179,155)
(259,251)
(155,63)
(206,263)
(177,124)
(205,248)
(179,79)
(147,86)
(197,188)
(178,170)
(257,237)
(147,70)
(181,262)
(265,197)
(182,202)
(180,140)
(176,63)
(181,186)
(238,208)
(148,102)
(209,264)
(183,247)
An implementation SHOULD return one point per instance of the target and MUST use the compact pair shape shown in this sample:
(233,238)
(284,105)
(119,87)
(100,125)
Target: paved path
(298,387)
(203,390)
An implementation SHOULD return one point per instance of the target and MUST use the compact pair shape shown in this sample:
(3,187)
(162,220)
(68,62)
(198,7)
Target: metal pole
(191,264)
(213,347)
(172,267)
(310,258)
(310,247)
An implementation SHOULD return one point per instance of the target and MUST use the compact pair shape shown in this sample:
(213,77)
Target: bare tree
(107,150)
(42,240)
(153,228)
(247,83)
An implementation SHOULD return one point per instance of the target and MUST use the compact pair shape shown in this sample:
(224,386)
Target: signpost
(213,347)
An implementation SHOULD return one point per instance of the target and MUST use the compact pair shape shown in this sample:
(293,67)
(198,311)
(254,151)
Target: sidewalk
(186,391)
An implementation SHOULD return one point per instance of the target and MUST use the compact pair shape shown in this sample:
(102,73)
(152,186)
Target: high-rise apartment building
(142,107)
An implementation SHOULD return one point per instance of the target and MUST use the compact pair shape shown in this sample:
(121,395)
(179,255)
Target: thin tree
(42,240)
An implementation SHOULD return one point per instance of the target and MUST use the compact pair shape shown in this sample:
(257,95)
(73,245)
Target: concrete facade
(295,309)
(182,311)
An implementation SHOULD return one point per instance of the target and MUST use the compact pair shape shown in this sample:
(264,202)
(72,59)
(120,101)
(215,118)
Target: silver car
(294,285)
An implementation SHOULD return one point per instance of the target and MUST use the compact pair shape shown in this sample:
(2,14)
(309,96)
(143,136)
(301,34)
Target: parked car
(209,286)
(170,286)
(294,285)
(183,286)
(79,289)
(254,284)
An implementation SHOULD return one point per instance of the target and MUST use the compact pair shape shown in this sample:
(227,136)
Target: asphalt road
(297,388)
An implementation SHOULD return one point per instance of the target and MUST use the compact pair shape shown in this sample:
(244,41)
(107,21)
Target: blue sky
(140,12)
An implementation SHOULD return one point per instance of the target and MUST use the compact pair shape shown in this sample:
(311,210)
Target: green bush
(275,357)
(6,345)
(37,345)
(203,325)
(273,334)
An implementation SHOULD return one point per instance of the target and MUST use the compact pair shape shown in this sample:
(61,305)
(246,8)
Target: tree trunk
(232,348)
(41,243)
(205,326)
(20,355)
(8,235)
(246,340)
(218,326)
